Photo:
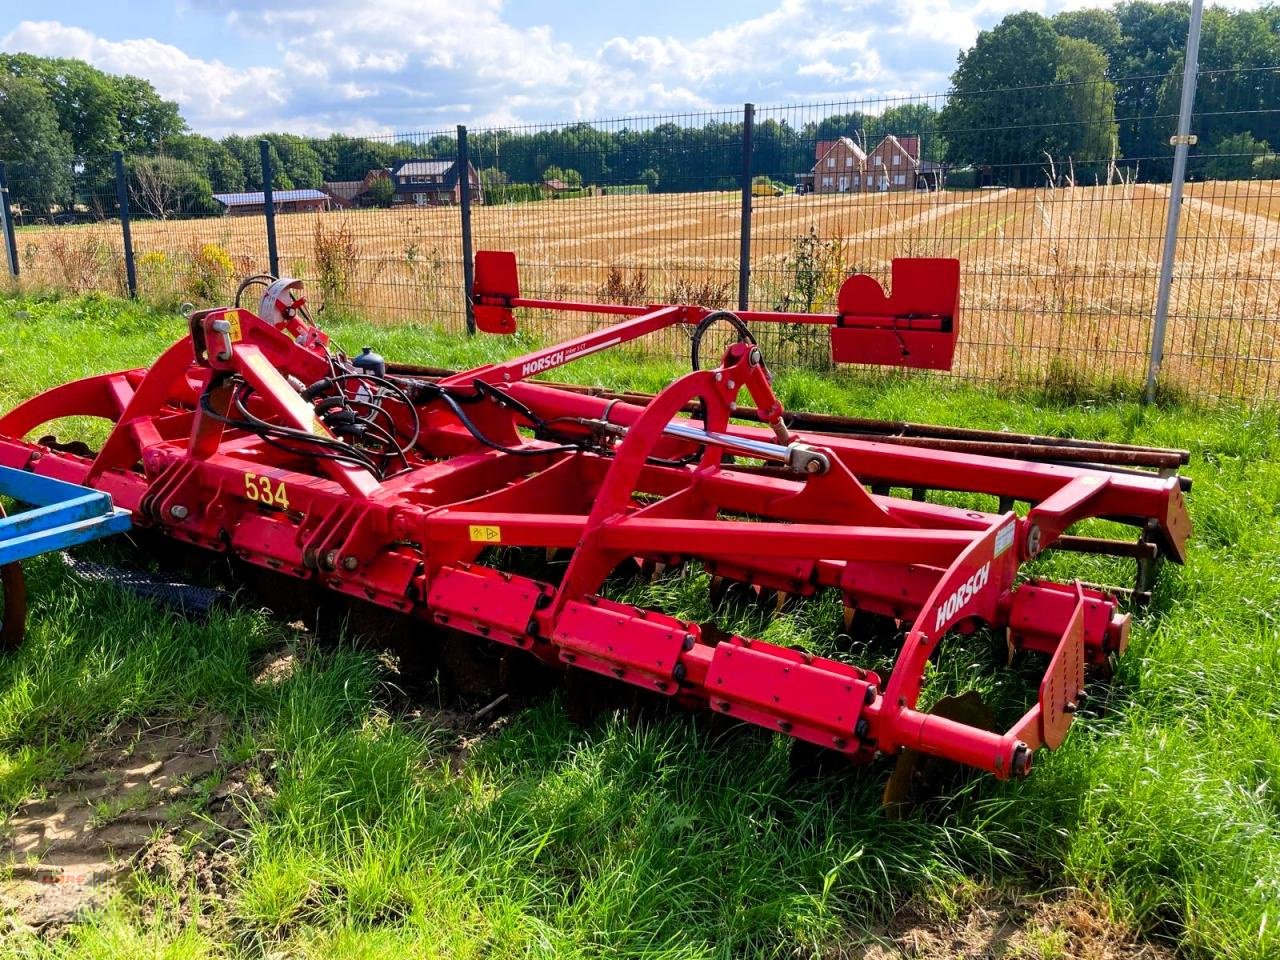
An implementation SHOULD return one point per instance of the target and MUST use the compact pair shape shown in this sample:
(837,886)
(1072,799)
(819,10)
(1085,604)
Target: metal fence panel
(1054,198)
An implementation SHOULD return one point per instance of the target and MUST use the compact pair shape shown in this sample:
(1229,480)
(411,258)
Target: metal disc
(918,777)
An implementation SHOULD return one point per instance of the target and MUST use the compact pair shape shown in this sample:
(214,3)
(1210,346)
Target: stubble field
(1056,282)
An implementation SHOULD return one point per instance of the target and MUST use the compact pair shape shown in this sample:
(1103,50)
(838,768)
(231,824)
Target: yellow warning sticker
(233,320)
(484,534)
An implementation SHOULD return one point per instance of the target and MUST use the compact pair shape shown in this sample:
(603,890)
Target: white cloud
(417,64)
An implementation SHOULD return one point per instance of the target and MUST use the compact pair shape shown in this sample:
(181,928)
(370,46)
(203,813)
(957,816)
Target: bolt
(178,512)
(679,672)
(1021,760)
(870,696)
(1033,540)
(862,728)
(754,356)
(331,560)
(688,641)
(350,563)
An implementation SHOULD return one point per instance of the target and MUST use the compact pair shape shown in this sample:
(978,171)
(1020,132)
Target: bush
(618,287)
(86,263)
(816,268)
(336,255)
(207,274)
(381,192)
(1267,167)
(514,193)
(1234,157)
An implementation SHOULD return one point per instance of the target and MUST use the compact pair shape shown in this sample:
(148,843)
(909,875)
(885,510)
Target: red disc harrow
(252,436)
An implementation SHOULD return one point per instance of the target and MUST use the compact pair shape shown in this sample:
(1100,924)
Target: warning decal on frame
(486,534)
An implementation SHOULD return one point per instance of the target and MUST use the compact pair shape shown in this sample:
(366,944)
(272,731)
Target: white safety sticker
(1004,538)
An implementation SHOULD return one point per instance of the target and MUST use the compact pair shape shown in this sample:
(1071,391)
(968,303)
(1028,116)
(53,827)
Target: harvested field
(1058,283)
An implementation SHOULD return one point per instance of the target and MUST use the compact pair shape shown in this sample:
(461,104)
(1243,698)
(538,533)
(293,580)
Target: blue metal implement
(61,515)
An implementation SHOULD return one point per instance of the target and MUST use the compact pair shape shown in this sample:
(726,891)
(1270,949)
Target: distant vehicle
(764,188)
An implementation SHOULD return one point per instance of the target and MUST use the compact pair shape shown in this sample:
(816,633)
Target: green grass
(658,838)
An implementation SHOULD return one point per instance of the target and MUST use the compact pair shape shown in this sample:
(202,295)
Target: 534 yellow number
(260,490)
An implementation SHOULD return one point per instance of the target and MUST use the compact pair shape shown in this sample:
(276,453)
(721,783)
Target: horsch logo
(962,595)
(546,362)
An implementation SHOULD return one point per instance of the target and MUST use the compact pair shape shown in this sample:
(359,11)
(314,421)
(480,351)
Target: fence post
(122,198)
(10,240)
(744,244)
(1181,144)
(269,206)
(464,203)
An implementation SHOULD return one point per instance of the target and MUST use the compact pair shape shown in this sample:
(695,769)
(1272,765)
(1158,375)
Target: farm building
(841,166)
(432,182)
(350,194)
(286,201)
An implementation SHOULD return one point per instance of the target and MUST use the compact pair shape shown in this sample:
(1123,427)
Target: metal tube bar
(1181,144)
(126,234)
(464,208)
(269,206)
(744,241)
(6,211)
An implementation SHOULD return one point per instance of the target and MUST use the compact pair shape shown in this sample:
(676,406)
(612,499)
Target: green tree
(145,118)
(38,152)
(1099,27)
(1090,104)
(1234,157)
(84,99)
(298,160)
(649,177)
(381,192)
(1007,74)
(215,162)
(245,150)
(164,187)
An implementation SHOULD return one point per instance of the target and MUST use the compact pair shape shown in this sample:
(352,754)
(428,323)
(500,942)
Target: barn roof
(345,189)
(422,168)
(258,197)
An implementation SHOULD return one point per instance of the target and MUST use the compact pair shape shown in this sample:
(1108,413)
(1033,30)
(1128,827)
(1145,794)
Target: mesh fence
(1054,199)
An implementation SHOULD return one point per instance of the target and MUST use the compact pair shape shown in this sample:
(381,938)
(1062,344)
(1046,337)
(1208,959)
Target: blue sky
(391,66)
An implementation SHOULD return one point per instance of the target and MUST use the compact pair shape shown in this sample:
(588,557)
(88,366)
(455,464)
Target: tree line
(1087,93)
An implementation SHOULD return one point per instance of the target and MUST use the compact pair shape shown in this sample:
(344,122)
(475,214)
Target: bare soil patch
(1010,926)
(152,797)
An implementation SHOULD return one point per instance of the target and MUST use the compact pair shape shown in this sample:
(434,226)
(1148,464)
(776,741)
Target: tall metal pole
(1182,142)
(464,203)
(6,211)
(269,206)
(744,244)
(122,198)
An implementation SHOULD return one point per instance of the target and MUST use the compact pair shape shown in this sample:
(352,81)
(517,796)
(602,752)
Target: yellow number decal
(259,490)
(484,534)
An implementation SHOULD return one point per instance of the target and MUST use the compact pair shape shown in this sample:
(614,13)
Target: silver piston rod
(798,457)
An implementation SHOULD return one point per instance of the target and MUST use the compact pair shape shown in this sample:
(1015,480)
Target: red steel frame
(416,542)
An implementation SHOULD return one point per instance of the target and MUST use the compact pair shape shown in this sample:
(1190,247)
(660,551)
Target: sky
(313,67)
